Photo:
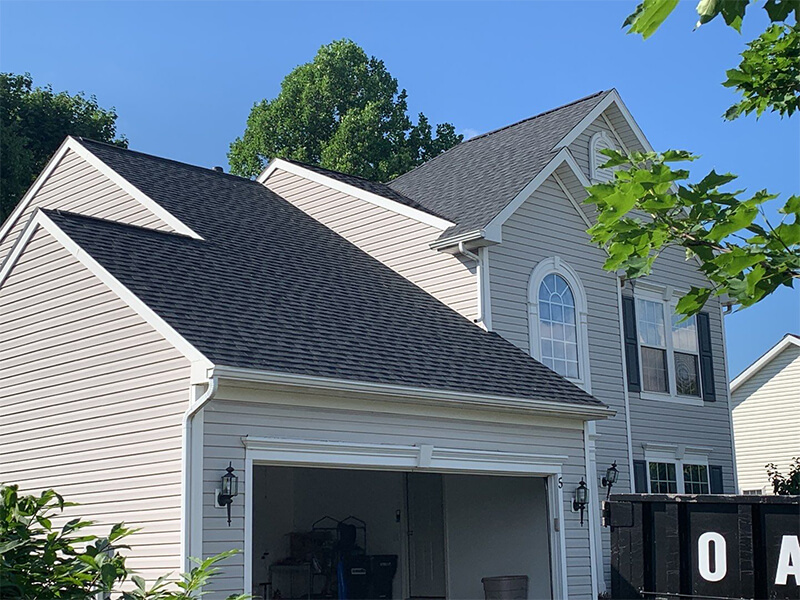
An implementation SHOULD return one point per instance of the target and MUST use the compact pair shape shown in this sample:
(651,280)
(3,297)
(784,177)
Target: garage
(369,533)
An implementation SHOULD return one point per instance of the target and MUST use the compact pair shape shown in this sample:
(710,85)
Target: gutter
(187,508)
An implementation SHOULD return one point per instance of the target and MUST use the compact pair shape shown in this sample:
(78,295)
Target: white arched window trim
(559,267)
(600,141)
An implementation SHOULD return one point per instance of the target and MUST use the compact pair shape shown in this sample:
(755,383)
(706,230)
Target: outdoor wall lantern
(611,478)
(229,490)
(581,499)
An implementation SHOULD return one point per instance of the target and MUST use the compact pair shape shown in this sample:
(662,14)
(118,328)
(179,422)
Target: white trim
(613,97)
(422,395)
(17,249)
(40,219)
(70,143)
(560,267)
(679,455)
(626,395)
(765,359)
(728,396)
(594,167)
(493,231)
(572,199)
(384,457)
(248,525)
(590,456)
(351,190)
(484,288)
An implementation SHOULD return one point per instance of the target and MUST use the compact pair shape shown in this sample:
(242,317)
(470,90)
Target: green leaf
(693,301)
(649,16)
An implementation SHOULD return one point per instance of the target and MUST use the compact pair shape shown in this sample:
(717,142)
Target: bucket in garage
(508,587)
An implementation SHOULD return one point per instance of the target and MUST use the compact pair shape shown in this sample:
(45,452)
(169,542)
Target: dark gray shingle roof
(271,288)
(472,182)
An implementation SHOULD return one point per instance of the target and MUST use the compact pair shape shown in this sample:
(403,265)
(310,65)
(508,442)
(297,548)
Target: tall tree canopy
(650,206)
(33,123)
(341,111)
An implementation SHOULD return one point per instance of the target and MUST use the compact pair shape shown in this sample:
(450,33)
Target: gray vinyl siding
(766,420)
(299,415)
(399,242)
(670,423)
(91,403)
(548,225)
(76,186)
(580,146)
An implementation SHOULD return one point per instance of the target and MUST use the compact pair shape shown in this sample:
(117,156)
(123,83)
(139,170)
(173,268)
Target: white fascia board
(70,143)
(494,230)
(422,395)
(350,190)
(40,220)
(787,341)
(613,97)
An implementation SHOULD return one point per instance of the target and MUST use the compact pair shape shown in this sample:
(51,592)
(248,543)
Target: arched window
(600,141)
(557,320)
(558,330)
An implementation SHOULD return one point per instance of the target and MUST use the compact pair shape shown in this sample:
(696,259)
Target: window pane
(695,479)
(557,326)
(687,376)
(650,323)
(662,478)
(654,369)
(684,335)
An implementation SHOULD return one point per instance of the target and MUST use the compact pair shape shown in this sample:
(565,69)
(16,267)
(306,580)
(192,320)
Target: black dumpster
(704,546)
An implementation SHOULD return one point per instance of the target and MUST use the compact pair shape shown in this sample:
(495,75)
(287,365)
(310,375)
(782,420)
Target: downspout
(462,249)
(187,508)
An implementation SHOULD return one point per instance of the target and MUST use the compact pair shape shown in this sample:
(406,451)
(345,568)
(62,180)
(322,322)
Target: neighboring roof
(270,288)
(472,182)
(790,339)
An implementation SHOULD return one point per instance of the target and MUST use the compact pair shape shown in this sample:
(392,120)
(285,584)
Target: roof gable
(788,340)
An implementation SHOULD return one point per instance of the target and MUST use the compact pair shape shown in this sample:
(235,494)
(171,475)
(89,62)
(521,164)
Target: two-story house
(413,384)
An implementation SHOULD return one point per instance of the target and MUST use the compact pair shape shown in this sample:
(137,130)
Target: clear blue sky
(183,77)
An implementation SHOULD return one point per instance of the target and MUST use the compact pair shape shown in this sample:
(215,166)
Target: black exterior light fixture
(229,490)
(581,500)
(611,478)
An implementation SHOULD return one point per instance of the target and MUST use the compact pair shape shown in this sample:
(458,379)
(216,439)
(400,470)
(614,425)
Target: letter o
(704,556)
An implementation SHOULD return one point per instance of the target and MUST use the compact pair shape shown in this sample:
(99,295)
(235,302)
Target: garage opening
(353,534)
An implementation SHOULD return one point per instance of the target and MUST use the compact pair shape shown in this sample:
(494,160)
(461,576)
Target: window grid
(663,479)
(695,479)
(653,345)
(558,326)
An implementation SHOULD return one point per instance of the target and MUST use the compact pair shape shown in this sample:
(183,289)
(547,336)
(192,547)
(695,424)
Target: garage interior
(354,534)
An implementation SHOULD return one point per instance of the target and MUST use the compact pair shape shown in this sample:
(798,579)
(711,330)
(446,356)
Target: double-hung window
(672,476)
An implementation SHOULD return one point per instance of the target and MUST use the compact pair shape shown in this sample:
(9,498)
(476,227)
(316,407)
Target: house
(765,403)
(430,372)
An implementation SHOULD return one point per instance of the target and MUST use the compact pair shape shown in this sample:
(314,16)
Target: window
(695,479)
(670,472)
(662,478)
(600,141)
(753,492)
(558,321)
(557,326)
(670,360)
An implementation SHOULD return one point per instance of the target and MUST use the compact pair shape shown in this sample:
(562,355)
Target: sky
(183,77)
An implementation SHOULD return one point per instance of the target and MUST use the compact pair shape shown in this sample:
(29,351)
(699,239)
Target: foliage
(788,485)
(38,562)
(342,111)
(33,123)
(647,208)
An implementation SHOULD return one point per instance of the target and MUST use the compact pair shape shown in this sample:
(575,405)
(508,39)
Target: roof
(270,288)
(472,182)
(790,339)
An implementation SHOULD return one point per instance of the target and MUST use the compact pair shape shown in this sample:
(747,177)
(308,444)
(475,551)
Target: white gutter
(187,508)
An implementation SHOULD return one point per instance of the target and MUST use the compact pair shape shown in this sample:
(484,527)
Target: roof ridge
(499,129)
(164,159)
(305,164)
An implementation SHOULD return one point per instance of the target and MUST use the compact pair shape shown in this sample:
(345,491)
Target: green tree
(343,111)
(650,206)
(787,485)
(33,123)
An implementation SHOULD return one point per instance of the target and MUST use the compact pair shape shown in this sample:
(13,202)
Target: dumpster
(704,546)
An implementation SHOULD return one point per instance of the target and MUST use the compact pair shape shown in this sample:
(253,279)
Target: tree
(39,562)
(648,207)
(33,124)
(785,485)
(342,111)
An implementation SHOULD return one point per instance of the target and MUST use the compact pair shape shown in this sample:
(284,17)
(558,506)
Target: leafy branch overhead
(649,207)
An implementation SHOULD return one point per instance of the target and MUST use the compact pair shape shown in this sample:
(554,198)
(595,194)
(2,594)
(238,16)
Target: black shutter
(631,344)
(715,479)
(640,476)
(706,358)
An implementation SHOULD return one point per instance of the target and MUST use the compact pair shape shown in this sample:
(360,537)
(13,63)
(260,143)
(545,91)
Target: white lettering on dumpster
(704,556)
(789,560)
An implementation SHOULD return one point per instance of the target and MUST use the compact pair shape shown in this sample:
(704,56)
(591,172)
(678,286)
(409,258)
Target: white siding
(548,225)
(766,420)
(76,186)
(91,402)
(399,242)
(298,415)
